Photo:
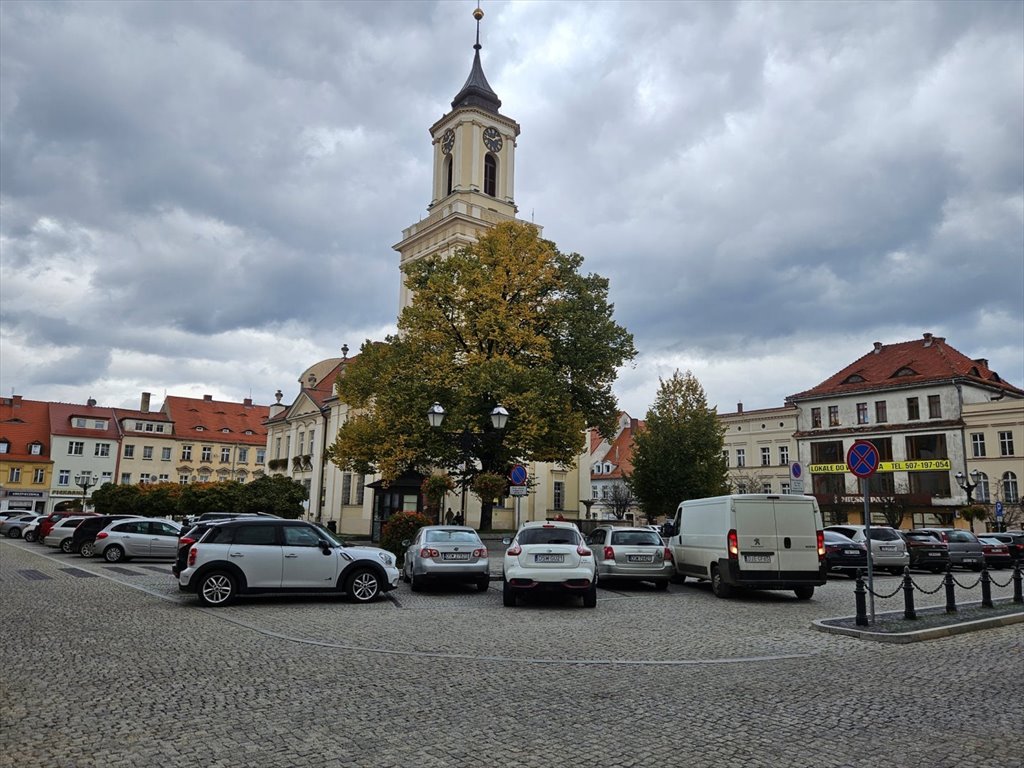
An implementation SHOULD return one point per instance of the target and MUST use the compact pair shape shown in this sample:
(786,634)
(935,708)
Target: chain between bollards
(950,591)
(908,595)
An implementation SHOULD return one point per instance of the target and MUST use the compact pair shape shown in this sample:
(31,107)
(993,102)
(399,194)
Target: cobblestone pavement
(111,666)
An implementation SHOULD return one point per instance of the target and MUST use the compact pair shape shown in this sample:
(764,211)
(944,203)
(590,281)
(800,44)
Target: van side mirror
(668,529)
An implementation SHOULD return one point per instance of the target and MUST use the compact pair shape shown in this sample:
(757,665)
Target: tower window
(490,176)
(448,175)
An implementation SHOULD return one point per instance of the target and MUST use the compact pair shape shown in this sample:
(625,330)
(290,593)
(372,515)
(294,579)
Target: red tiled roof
(214,416)
(923,361)
(61,415)
(23,422)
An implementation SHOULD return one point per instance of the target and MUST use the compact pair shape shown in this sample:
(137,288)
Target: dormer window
(36,449)
(200,429)
(904,371)
(225,429)
(5,446)
(490,176)
(854,378)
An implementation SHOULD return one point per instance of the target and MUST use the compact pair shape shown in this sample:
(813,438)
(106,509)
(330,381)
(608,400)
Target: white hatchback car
(548,556)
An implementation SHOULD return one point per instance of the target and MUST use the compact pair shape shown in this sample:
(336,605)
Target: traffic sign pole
(862,460)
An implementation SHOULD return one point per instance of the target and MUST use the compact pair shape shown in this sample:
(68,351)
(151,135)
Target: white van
(757,540)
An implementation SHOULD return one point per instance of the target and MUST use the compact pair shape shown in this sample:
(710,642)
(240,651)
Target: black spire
(477,91)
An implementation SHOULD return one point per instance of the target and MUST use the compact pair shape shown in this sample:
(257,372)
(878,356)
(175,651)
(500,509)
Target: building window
(182,479)
(277,447)
(1006,443)
(144,478)
(225,455)
(165,453)
(934,407)
(1010,493)
(785,487)
(360,488)
(925,448)
(107,477)
(741,457)
(725,457)
(76,448)
(165,478)
(5,446)
(491,183)
(346,488)
(38,476)
(448,175)
(99,425)
(102,449)
(207,453)
(981,493)
(766,487)
(862,413)
(129,451)
(766,457)
(36,449)
(559,494)
(312,433)
(913,409)
(881,415)
(14,476)
(243,455)
(815,418)
(833,415)
(261,455)
(186,453)
(784,455)
(147,453)
(302,441)
(64,477)
(149,427)
(126,478)
(978,444)
(593,491)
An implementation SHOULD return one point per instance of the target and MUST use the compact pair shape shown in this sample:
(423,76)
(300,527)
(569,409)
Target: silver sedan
(446,553)
(637,554)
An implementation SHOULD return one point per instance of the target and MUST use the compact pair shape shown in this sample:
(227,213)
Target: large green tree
(510,321)
(678,455)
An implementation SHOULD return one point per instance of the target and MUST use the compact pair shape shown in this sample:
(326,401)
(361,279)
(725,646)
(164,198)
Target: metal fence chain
(924,591)
(996,583)
(964,586)
(891,594)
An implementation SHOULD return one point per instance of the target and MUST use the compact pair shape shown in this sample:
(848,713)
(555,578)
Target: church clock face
(492,139)
(448,141)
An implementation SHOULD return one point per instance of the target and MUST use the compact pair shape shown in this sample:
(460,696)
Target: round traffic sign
(518,475)
(862,458)
(795,470)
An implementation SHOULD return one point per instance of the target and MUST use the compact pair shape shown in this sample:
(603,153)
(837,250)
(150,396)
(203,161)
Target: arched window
(1010,493)
(448,175)
(981,493)
(490,176)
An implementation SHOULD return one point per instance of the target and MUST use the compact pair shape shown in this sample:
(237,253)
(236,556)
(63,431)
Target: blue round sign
(862,458)
(518,475)
(796,470)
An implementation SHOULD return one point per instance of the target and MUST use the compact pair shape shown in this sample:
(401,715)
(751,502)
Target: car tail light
(479,553)
(192,555)
(609,553)
(668,554)
(514,551)
(821,545)
(186,541)
(427,552)
(582,551)
(734,545)
(102,535)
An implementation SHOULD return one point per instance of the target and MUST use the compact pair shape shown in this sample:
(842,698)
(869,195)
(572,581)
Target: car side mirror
(506,541)
(406,542)
(325,547)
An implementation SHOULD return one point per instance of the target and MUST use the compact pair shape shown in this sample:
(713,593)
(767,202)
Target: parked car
(52,519)
(31,531)
(14,526)
(85,534)
(60,534)
(926,551)
(888,551)
(843,554)
(997,554)
(446,553)
(548,556)
(1014,541)
(635,554)
(965,550)
(263,555)
(122,540)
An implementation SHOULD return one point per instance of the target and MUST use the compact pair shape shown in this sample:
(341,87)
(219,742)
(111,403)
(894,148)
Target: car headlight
(386,558)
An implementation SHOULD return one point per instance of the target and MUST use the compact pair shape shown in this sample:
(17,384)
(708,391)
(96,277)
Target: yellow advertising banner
(914,465)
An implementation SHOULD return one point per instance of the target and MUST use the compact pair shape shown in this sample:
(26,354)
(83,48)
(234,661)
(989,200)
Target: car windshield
(439,537)
(547,536)
(636,538)
(884,534)
(837,538)
(921,537)
(961,537)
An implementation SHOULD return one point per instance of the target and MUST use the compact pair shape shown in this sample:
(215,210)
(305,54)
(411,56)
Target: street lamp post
(467,440)
(967,485)
(85,481)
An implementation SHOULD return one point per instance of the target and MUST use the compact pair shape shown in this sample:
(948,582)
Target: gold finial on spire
(477,14)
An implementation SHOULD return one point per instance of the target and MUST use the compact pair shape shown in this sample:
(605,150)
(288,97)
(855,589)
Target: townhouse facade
(26,469)
(758,448)
(84,443)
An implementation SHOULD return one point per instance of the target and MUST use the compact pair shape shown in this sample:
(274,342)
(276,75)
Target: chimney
(927,340)
(247,402)
(90,402)
(878,347)
(208,398)
(144,405)
(16,401)
(983,361)
(634,425)
(739,407)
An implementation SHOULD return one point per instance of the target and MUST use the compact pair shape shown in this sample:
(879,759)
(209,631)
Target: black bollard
(908,595)
(986,588)
(950,593)
(861,597)
(1018,593)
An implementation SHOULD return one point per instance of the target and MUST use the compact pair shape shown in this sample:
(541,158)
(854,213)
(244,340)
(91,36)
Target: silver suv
(264,555)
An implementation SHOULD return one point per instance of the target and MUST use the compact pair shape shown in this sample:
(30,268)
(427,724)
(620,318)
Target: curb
(918,635)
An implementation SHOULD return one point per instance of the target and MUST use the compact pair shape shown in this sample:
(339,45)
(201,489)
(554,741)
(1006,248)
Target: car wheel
(590,597)
(483,585)
(508,595)
(405,575)
(14,533)
(216,589)
(363,585)
(719,587)
(804,592)
(65,546)
(661,585)
(88,549)
(113,554)
(30,536)
(415,583)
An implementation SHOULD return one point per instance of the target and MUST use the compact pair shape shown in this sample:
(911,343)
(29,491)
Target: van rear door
(797,527)
(756,535)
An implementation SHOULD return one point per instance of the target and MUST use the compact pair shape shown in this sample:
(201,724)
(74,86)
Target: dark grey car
(965,550)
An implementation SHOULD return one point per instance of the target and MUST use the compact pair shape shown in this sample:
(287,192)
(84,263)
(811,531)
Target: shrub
(401,526)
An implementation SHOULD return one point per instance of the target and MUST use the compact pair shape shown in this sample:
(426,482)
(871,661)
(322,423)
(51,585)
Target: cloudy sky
(201,198)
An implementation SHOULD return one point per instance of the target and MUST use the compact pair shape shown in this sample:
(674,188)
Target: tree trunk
(486,515)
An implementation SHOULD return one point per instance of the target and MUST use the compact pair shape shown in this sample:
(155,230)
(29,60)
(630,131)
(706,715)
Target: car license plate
(455,556)
(888,548)
(549,558)
(935,554)
(757,558)
(970,559)
(639,558)
(853,552)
